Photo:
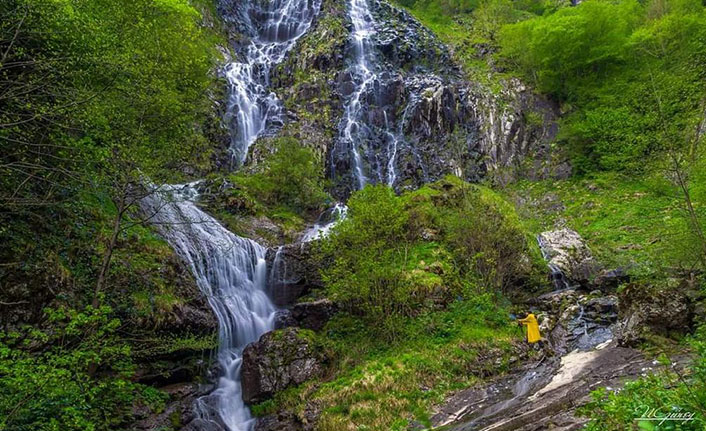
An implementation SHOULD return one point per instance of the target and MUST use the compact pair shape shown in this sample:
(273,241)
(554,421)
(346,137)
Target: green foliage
(54,379)
(291,178)
(394,257)
(382,386)
(573,43)
(369,256)
(96,96)
(631,75)
(665,392)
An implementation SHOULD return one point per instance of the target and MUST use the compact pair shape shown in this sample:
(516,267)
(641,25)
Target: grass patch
(635,223)
(381,386)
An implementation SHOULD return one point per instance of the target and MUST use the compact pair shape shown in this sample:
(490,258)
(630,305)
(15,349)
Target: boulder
(567,251)
(279,359)
(610,279)
(313,315)
(289,421)
(284,319)
(664,311)
(293,273)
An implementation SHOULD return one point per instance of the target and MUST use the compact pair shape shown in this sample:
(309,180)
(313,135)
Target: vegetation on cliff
(96,97)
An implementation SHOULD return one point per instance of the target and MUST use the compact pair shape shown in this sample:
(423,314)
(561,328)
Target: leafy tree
(97,97)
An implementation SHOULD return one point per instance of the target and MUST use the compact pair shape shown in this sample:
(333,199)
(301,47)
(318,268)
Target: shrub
(75,376)
(291,177)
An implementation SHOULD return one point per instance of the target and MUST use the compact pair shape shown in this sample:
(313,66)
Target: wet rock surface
(565,249)
(276,361)
(293,273)
(544,393)
(648,310)
(313,315)
(550,393)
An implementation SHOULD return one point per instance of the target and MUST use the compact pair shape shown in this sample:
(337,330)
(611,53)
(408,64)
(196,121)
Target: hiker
(532,328)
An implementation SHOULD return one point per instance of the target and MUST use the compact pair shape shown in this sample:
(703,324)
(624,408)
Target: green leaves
(632,74)
(48,379)
(291,178)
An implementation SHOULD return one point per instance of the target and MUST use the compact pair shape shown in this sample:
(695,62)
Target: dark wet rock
(293,273)
(565,249)
(610,279)
(575,320)
(284,319)
(667,311)
(178,410)
(278,360)
(313,315)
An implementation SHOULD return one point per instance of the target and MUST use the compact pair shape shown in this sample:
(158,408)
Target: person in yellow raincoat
(532,328)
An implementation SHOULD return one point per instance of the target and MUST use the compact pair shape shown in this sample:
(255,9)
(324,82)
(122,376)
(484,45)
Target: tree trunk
(105,264)
(693,217)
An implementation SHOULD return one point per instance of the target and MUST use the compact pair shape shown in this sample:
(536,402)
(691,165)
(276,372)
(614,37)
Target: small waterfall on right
(559,279)
(231,272)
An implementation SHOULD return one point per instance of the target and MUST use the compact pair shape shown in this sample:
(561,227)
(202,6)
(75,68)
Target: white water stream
(353,127)
(231,271)
(275,26)
(232,274)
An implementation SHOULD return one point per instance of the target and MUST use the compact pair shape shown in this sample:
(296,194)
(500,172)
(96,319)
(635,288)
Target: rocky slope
(443,123)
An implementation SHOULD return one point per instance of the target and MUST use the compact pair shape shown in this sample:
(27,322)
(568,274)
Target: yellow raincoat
(532,328)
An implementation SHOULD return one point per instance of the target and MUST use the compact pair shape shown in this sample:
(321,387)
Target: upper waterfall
(378,105)
(273,28)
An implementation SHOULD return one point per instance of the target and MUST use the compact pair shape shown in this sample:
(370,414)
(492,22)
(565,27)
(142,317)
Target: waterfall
(274,27)
(231,273)
(353,128)
(326,221)
(370,132)
(558,277)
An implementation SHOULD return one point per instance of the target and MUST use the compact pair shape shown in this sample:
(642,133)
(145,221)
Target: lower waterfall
(232,273)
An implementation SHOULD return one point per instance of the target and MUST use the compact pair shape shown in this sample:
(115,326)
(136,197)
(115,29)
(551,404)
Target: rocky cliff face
(422,118)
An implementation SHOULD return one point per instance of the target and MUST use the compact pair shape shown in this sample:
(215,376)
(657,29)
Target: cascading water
(558,277)
(326,221)
(231,272)
(274,27)
(353,128)
(371,134)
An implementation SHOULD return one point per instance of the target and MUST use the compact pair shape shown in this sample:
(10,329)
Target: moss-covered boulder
(278,360)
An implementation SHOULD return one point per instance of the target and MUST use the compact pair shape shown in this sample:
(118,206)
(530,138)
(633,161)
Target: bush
(75,376)
(396,256)
(291,177)
(632,76)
